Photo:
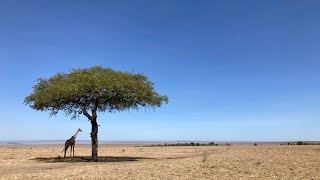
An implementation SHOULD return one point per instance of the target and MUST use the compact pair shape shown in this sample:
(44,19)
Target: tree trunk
(94,140)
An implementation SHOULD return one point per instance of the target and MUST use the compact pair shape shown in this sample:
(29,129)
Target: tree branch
(84,111)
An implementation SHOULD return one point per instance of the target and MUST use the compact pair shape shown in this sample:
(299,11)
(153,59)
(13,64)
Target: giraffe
(71,142)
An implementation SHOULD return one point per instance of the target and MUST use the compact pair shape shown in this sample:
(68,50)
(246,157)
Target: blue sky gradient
(233,70)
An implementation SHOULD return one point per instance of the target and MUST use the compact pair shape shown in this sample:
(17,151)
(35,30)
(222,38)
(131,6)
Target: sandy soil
(217,162)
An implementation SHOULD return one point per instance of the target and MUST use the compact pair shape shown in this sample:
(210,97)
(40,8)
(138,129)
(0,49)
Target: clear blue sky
(233,70)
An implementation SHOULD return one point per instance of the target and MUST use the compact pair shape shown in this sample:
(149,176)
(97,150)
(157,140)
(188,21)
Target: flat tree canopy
(86,91)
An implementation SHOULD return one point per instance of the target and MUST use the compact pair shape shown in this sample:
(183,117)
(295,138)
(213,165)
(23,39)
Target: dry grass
(215,162)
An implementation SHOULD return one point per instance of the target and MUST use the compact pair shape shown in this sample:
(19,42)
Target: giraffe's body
(70,143)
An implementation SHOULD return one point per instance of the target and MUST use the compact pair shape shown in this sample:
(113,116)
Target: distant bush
(186,144)
(307,143)
(299,143)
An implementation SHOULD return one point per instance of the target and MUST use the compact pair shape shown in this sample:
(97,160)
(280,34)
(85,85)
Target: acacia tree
(91,90)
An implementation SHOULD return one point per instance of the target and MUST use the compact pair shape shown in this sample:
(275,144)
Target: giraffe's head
(80,129)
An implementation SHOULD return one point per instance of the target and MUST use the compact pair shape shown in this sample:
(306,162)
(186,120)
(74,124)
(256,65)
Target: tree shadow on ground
(88,159)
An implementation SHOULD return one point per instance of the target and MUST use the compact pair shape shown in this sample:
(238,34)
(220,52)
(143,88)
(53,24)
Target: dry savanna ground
(125,162)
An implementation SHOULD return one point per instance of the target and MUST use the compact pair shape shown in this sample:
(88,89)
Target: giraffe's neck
(76,134)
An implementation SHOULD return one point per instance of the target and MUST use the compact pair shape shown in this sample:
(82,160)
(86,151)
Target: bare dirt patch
(216,162)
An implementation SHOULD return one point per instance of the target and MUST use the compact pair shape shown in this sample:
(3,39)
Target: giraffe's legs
(73,150)
(70,150)
(65,150)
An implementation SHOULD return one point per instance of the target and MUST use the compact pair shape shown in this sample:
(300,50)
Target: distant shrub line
(186,144)
(301,143)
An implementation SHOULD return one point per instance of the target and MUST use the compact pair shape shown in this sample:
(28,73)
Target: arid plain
(129,162)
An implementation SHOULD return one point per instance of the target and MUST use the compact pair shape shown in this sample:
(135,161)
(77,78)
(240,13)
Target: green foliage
(96,88)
